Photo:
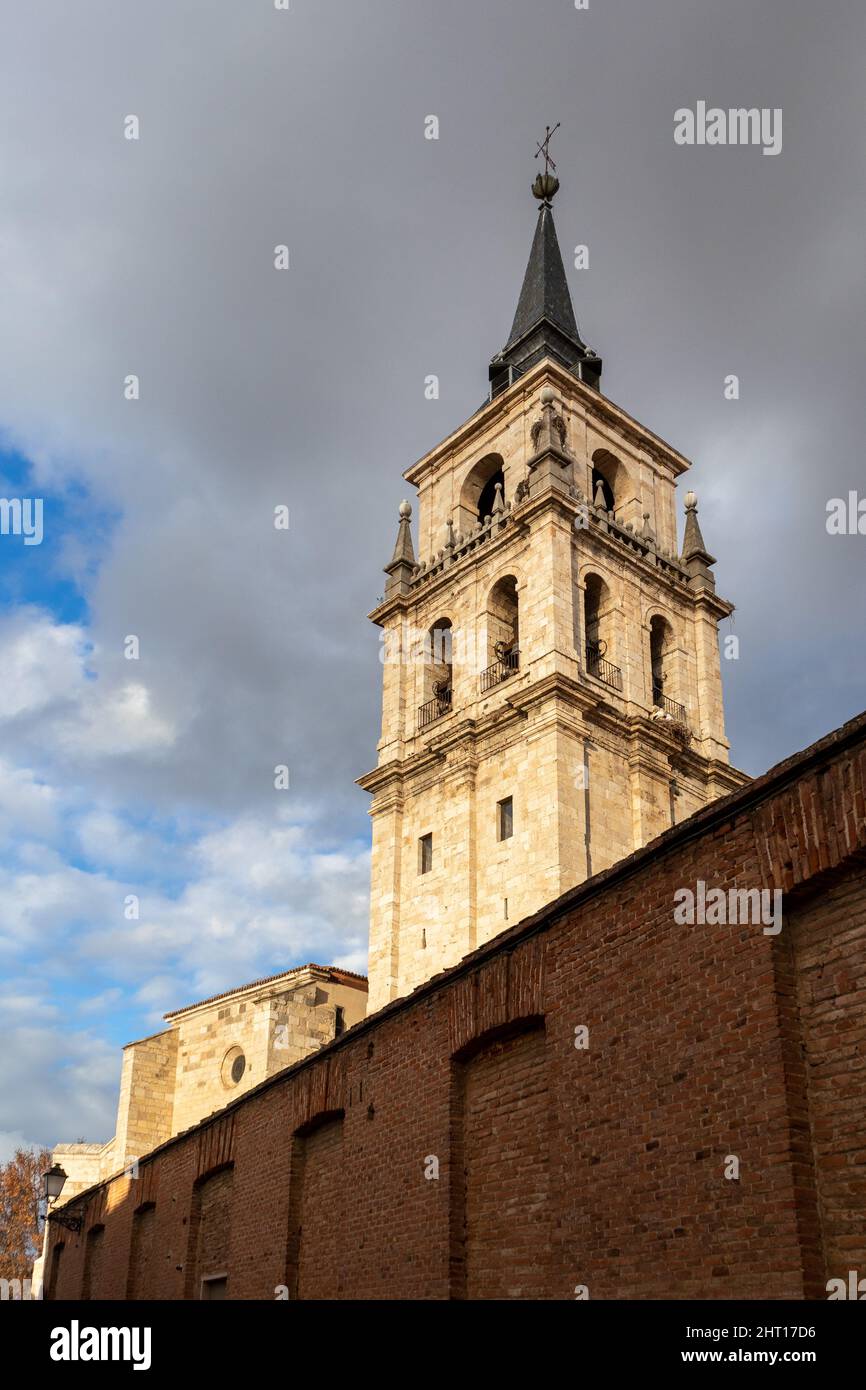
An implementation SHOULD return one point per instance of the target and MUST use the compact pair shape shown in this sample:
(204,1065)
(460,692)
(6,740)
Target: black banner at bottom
(80,1339)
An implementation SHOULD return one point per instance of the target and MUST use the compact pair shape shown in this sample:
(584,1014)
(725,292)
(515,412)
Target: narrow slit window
(505,818)
(425,854)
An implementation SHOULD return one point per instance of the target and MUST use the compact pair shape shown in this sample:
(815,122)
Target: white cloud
(115,721)
(56,705)
(27,805)
(11,1141)
(101,1004)
(255,897)
(107,839)
(63,1084)
(42,663)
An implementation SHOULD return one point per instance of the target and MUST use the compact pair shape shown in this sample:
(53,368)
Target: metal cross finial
(544,147)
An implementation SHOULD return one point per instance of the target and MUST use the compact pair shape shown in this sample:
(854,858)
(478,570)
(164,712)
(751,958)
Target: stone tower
(552,694)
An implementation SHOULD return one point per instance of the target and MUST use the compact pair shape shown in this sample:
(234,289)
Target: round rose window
(233,1067)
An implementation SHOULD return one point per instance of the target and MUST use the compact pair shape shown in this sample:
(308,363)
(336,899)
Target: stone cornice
(594,704)
(453,570)
(597,407)
(585,704)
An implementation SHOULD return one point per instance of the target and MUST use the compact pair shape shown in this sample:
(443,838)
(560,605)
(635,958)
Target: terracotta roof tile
(334,971)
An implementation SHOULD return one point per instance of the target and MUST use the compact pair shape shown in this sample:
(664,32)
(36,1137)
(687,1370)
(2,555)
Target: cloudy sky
(305,388)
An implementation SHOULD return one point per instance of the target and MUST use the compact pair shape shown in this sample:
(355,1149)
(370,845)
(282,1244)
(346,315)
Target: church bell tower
(552,694)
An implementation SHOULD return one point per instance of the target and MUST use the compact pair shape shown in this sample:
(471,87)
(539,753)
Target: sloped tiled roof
(333,971)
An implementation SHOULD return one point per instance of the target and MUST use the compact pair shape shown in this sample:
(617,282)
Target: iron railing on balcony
(435,708)
(676,711)
(500,670)
(603,670)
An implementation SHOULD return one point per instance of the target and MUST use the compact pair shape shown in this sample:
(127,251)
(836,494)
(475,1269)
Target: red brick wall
(143,1275)
(829,939)
(502,1200)
(210,1229)
(319,1195)
(94,1257)
(558,1166)
(55,1262)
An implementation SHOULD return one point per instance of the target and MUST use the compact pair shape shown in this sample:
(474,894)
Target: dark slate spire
(402,565)
(404,552)
(693,541)
(544,324)
(545,289)
(696,558)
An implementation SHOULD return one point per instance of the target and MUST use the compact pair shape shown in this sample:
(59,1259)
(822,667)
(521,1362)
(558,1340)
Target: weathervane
(546,184)
(544,147)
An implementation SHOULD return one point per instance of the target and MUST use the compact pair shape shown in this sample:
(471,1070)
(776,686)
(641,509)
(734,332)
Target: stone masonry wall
(146,1096)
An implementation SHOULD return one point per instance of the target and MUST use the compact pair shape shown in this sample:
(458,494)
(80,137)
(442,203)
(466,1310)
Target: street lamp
(55,1180)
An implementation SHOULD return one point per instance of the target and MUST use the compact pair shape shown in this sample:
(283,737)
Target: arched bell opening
(503,633)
